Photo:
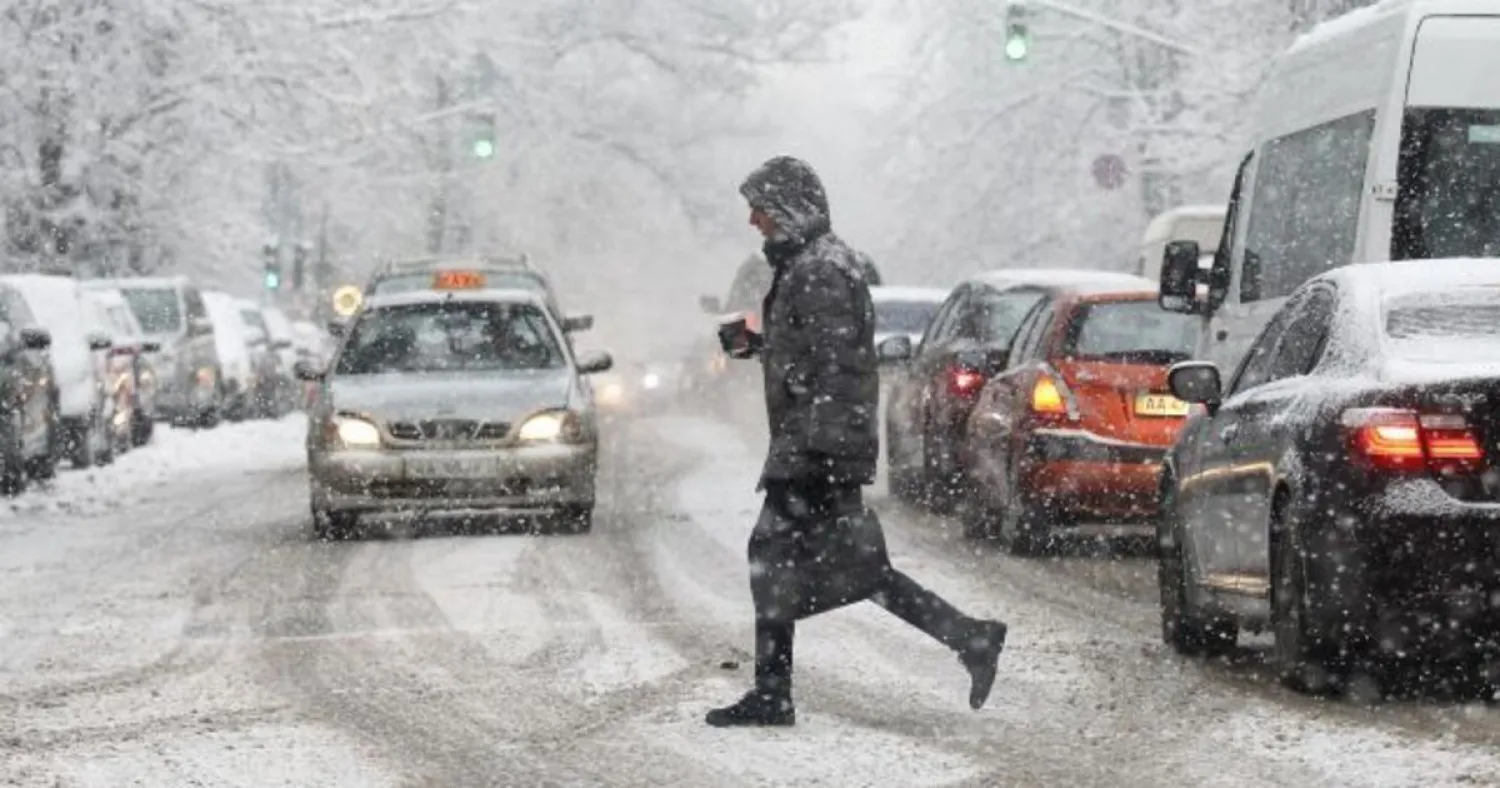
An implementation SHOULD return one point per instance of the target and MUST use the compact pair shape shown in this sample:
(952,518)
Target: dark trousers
(899,594)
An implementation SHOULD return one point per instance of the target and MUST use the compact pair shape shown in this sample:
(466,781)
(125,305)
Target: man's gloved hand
(737,340)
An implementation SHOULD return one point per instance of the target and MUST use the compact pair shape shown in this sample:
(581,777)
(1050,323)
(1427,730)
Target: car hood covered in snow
(487,396)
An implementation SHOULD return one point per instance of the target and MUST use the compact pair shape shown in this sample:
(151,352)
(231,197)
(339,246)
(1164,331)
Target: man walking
(817,352)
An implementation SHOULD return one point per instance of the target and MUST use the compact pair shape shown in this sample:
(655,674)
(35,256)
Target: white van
(1377,137)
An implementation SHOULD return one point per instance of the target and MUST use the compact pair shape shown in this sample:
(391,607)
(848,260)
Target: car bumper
(1410,568)
(1088,479)
(535,479)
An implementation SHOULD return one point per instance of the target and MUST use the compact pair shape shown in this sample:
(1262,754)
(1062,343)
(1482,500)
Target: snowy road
(185,631)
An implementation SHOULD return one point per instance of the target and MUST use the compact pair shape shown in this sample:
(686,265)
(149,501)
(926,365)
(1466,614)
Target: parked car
(170,310)
(1069,439)
(232,348)
(1343,490)
(284,343)
(119,371)
(80,362)
(934,385)
(131,344)
(265,359)
(29,438)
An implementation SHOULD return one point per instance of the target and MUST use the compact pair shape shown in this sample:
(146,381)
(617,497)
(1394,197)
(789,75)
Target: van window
(1306,203)
(1448,185)
(155,308)
(195,308)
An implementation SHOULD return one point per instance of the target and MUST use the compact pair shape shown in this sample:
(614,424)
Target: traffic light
(272,254)
(299,265)
(1017,33)
(483,144)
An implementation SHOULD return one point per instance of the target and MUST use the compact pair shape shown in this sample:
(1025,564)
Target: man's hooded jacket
(818,354)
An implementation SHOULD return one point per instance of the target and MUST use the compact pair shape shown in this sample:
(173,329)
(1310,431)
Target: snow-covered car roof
(150,282)
(1081,279)
(1413,276)
(437,296)
(936,295)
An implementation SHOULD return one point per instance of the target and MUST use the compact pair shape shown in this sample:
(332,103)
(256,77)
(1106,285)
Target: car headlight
(651,380)
(550,427)
(356,433)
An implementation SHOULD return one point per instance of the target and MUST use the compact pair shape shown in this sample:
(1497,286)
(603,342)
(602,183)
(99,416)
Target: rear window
(157,310)
(1130,332)
(903,317)
(1440,326)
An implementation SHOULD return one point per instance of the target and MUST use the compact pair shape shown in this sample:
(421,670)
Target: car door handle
(1228,432)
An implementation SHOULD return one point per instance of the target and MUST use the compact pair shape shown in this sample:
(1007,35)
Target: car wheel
(83,446)
(900,482)
(45,466)
(333,526)
(938,481)
(142,430)
(1305,662)
(1182,628)
(105,434)
(577,519)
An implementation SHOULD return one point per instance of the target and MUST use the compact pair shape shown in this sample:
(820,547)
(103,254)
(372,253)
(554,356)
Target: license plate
(1164,405)
(451,468)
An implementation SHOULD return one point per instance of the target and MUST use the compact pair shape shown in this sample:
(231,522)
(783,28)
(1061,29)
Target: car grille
(448,430)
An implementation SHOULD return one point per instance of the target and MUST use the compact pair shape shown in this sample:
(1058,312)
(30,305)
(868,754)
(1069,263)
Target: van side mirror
(710,305)
(594,363)
(1196,382)
(100,342)
(1178,290)
(150,347)
(894,350)
(36,338)
(575,323)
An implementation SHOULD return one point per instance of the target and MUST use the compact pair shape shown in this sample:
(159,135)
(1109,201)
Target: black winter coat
(821,376)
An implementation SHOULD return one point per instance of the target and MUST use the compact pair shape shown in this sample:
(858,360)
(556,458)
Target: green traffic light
(484,148)
(1017,45)
(273,280)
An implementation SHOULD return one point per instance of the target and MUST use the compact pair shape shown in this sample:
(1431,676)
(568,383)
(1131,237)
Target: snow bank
(229,449)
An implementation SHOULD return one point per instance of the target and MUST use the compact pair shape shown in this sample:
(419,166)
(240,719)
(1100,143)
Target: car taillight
(1393,439)
(965,382)
(1047,397)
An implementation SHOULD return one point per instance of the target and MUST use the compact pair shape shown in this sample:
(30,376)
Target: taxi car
(453,399)
(519,273)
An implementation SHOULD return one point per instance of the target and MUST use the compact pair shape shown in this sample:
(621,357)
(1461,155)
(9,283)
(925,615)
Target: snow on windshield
(157,309)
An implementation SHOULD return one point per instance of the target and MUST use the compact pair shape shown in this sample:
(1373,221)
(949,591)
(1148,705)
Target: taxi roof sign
(458,280)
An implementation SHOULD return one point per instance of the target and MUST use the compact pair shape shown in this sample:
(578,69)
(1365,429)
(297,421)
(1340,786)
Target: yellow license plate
(1160,405)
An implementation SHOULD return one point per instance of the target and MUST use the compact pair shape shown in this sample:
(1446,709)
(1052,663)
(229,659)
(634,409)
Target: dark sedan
(1344,491)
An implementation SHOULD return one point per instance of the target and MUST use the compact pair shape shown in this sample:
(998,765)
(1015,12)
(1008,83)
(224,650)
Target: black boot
(981,656)
(757,708)
(770,703)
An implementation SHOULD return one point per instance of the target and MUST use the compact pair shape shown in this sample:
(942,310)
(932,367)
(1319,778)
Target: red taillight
(965,382)
(1404,440)
(1047,397)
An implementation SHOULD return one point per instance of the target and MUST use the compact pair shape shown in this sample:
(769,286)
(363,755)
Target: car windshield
(1138,332)
(156,309)
(1451,325)
(450,336)
(903,317)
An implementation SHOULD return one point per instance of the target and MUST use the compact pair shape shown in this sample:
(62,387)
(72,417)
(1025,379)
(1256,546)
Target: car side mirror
(150,347)
(576,323)
(594,363)
(1196,382)
(303,370)
(894,350)
(100,342)
(36,338)
(1178,291)
(711,305)
(986,361)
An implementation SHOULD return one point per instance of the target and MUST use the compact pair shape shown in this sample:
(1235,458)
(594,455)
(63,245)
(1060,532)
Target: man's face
(763,222)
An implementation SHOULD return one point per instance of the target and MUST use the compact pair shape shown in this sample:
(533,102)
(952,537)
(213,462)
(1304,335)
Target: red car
(1072,434)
